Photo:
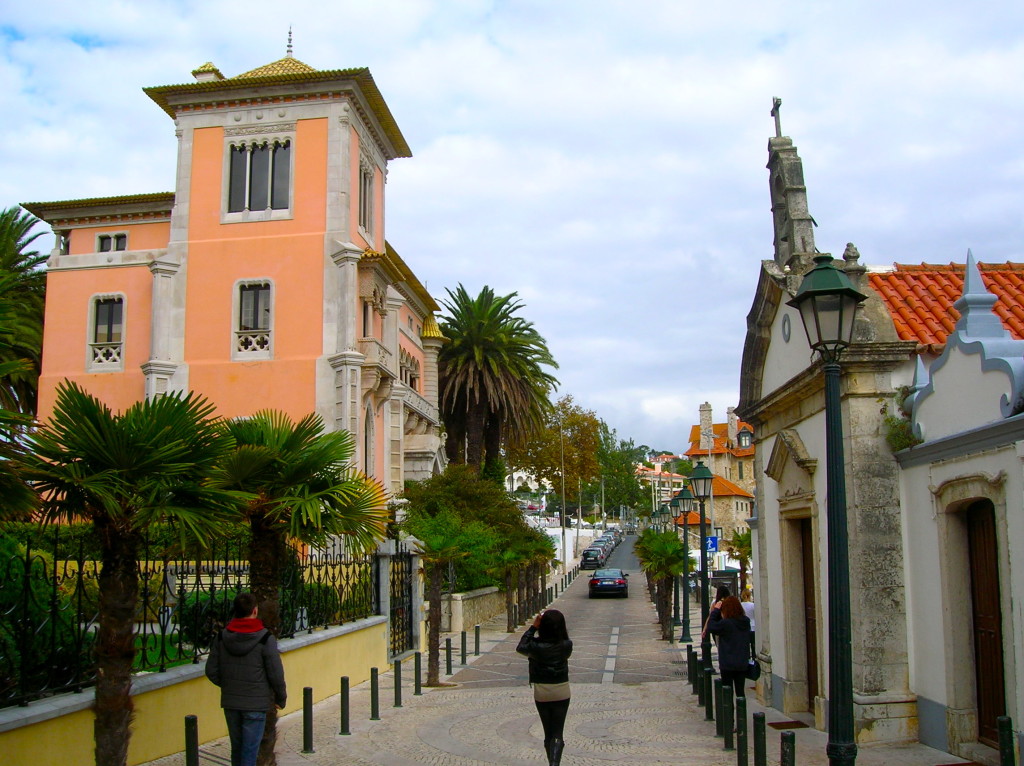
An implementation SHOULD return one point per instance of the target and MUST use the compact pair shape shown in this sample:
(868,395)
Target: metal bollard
(417,669)
(447,656)
(698,682)
(398,683)
(462,637)
(476,640)
(1004,727)
(760,751)
(307,719)
(689,663)
(741,731)
(191,741)
(344,707)
(788,749)
(728,721)
(709,694)
(719,728)
(374,696)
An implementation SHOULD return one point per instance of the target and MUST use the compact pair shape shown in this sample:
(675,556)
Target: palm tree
(739,546)
(300,486)
(661,557)
(24,284)
(123,472)
(493,385)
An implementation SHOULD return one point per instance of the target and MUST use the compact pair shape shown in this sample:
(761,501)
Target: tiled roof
(723,487)
(720,444)
(287,65)
(692,519)
(920,298)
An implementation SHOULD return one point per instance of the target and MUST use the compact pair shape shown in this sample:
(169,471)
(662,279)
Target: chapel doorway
(987,619)
(810,610)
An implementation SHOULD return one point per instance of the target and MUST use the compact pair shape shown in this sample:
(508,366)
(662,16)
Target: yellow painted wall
(160,714)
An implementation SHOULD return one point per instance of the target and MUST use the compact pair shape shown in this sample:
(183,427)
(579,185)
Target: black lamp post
(828,302)
(683,501)
(700,483)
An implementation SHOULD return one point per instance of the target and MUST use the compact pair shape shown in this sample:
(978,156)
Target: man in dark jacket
(246,664)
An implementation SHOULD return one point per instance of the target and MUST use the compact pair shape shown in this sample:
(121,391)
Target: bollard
(191,741)
(760,751)
(727,717)
(698,682)
(741,731)
(689,663)
(462,637)
(344,707)
(719,728)
(447,656)
(374,696)
(398,683)
(709,694)
(307,719)
(1004,727)
(788,749)
(417,670)
(476,640)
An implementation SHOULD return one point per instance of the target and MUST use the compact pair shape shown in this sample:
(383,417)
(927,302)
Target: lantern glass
(700,482)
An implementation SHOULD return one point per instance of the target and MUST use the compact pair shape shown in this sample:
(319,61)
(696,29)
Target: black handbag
(754,670)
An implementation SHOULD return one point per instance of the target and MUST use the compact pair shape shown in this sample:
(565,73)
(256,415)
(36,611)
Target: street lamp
(683,501)
(828,302)
(700,483)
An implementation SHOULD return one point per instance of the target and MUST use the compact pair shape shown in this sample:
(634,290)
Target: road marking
(609,662)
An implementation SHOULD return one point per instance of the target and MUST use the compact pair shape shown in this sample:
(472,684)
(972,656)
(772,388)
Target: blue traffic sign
(711,544)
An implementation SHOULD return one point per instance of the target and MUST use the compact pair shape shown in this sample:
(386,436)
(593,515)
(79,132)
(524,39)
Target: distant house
(264,279)
(920,670)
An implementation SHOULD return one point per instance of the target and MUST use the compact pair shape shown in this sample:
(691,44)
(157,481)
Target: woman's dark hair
(722,592)
(552,626)
(731,608)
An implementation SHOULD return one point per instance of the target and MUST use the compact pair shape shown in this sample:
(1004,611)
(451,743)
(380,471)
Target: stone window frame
(106,356)
(250,135)
(114,237)
(240,337)
(367,197)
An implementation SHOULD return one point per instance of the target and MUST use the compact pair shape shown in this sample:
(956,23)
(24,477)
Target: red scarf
(245,625)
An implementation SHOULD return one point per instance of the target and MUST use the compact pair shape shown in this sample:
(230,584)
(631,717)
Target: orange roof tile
(692,518)
(920,297)
(722,487)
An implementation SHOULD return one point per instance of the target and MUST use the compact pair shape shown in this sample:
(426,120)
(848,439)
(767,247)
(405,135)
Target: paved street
(630,705)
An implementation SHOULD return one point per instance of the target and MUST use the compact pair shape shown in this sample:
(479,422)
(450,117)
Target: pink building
(264,280)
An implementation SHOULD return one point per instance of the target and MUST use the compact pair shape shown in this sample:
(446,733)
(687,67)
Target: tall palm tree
(122,473)
(22,281)
(301,487)
(493,385)
(740,548)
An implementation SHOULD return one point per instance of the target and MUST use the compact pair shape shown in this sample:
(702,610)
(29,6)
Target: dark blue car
(614,582)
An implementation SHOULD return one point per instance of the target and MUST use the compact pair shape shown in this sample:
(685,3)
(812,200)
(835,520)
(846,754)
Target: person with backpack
(245,663)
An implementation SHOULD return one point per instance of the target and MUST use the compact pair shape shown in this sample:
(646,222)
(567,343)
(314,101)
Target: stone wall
(462,611)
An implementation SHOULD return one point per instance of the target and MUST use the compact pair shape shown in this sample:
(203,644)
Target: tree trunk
(435,573)
(115,643)
(492,439)
(510,626)
(266,553)
(665,607)
(524,604)
(475,434)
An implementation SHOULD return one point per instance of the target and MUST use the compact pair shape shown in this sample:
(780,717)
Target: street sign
(711,544)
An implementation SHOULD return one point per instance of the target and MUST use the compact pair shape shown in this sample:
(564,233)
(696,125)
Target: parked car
(609,581)
(592,558)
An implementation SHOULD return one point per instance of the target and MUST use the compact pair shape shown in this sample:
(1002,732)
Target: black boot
(547,749)
(557,746)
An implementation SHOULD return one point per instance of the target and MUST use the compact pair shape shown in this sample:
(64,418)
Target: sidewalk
(636,724)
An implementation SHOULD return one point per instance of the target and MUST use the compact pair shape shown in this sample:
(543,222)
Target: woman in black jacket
(546,643)
(732,627)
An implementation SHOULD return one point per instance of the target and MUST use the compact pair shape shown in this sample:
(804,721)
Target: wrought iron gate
(401,617)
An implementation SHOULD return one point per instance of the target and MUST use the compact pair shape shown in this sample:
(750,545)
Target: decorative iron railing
(49,608)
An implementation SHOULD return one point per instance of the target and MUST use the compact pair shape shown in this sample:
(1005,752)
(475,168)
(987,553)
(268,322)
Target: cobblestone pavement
(630,705)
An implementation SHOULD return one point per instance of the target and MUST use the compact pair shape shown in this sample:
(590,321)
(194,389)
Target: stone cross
(776,105)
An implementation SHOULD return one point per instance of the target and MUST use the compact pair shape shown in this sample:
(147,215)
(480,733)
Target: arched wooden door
(987,619)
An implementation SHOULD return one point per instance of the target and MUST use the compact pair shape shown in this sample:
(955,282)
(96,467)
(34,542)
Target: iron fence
(49,607)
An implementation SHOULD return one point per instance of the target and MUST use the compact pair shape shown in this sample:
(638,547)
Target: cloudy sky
(602,158)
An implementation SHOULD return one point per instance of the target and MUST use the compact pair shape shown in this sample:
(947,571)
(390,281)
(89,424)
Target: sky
(603,159)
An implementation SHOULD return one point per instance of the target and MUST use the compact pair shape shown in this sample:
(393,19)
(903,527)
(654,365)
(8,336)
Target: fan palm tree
(740,548)
(301,487)
(123,472)
(662,558)
(493,385)
(23,283)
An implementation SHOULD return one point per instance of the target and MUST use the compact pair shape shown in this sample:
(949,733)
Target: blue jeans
(245,728)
